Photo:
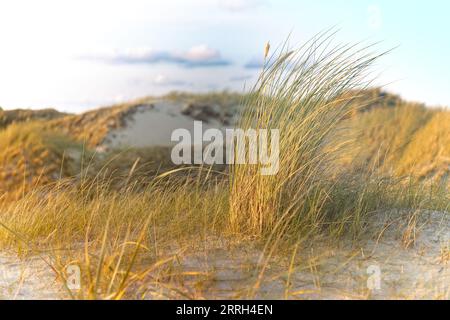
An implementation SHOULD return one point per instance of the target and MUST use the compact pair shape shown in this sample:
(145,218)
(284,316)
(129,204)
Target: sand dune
(153,123)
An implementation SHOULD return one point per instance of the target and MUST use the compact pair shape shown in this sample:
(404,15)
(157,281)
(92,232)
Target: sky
(78,55)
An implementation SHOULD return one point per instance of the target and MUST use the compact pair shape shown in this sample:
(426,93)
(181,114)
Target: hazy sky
(74,55)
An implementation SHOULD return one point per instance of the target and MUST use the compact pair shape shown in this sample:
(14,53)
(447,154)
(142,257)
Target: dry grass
(8,117)
(297,94)
(31,156)
(115,236)
(92,127)
(406,141)
(127,225)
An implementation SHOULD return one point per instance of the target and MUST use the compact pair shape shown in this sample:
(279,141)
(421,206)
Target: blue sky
(75,55)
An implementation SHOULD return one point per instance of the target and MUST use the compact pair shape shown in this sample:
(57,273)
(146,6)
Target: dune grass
(116,237)
(32,155)
(8,117)
(408,141)
(300,93)
(126,237)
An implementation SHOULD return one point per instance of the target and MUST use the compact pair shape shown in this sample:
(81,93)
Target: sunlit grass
(127,218)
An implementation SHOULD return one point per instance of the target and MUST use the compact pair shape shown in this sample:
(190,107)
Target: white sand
(341,271)
(28,279)
(154,126)
(419,271)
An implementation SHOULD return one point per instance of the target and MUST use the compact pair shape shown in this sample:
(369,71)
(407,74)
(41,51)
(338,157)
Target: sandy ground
(28,279)
(381,266)
(409,259)
(154,123)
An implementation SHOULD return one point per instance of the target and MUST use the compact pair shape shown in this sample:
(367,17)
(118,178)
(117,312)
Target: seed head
(266,49)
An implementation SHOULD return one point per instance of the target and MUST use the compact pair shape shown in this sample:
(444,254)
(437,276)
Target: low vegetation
(126,217)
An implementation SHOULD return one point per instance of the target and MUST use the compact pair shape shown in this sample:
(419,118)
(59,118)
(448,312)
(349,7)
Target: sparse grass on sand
(128,237)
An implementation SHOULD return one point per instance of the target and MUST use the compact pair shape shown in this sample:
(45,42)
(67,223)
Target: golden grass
(428,153)
(8,117)
(406,141)
(297,94)
(126,224)
(111,234)
(31,156)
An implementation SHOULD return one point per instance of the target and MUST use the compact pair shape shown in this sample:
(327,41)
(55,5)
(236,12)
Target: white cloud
(201,53)
(197,56)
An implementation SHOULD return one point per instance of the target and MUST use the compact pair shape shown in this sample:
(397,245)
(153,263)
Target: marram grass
(129,236)
(299,93)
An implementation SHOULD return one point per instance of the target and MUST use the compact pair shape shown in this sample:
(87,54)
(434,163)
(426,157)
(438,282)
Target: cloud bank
(197,56)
